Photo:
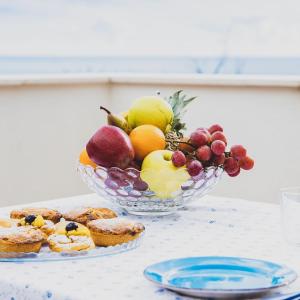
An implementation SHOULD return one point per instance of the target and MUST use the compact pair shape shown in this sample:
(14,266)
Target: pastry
(37,221)
(110,232)
(7,223)
(84,215)
(47,214)
(70,236)
(61,242)
(20,239)
(69,228)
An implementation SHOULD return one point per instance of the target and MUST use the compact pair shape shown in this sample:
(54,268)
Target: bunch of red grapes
(207,147)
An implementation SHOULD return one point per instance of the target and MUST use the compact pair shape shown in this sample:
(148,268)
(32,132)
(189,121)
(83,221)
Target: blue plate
(219,277)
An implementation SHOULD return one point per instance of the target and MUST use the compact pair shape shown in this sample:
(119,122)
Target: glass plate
(47,255)
(220,277)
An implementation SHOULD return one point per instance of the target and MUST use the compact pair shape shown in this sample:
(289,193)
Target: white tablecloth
(210,226)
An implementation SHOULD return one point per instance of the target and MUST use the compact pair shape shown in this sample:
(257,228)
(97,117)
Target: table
(209,226)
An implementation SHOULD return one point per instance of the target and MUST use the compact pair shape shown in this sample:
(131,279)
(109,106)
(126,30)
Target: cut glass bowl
(125,189)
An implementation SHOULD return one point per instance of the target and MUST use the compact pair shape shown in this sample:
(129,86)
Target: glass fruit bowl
(126,189)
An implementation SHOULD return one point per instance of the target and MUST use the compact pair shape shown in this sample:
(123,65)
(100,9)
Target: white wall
(42,130)
(44,126)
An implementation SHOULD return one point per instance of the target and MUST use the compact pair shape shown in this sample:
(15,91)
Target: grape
(118,176)
(236,173)
(194,167)
(199,138)
(204,130)
(116,173)
(238,152)
(203,153)
(231,165)
(219,136)
(214,128)
(132,173)
(111,184)
(218,147)
(121,182)
(219,159)
(178,159)
(140,185)
(246,163)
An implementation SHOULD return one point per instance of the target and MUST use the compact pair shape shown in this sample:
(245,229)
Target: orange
(145,139)
(85,160)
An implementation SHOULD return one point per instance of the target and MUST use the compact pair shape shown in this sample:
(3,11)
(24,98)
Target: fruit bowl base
(150,213)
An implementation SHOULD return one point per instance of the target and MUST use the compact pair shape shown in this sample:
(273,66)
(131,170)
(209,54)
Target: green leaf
(178,102)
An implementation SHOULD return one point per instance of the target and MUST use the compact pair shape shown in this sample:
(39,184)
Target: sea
(16,65)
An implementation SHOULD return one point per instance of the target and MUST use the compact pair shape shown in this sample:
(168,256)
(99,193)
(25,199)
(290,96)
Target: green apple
(151,110)
(162,177)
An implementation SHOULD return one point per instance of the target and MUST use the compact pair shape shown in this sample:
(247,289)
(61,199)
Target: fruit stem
(105,109)
(180,142)
(227,154)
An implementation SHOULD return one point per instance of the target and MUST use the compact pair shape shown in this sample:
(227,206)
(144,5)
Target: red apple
(109,147)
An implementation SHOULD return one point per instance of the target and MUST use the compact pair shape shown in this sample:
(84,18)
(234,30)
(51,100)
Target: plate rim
(52,256)
(224,291)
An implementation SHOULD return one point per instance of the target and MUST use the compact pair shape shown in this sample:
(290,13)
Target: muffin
(84,215)
(69,228)
(20,239)
(47,214)
(62,243)
(38,222)
(111,232)
(7,223)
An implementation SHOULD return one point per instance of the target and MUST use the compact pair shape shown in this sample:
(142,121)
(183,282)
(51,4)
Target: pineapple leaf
(187,101)
(178,102)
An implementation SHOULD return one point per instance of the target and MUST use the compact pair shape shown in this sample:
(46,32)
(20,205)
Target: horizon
(149,64)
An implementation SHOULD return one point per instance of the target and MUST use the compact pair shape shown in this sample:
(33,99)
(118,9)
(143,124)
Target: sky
(155,28)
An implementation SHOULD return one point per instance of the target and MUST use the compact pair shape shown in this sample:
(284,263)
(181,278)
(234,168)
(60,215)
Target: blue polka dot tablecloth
(209,226)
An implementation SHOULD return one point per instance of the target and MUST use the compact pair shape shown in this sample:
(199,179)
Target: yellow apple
(151,110)
(162,177)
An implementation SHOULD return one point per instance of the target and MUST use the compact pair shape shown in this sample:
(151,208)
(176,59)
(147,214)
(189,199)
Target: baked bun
(46,213)
(38,222)
(21,239)
(110,232)
(63,243)
(71,228)
(84,215)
